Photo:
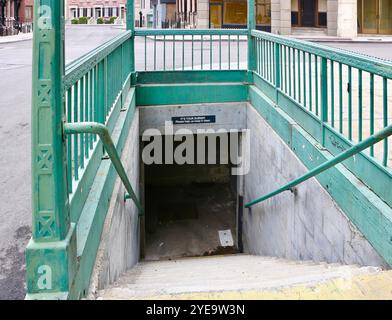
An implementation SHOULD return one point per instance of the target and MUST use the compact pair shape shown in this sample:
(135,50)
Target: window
(28,12)
(235,13)
(263,12)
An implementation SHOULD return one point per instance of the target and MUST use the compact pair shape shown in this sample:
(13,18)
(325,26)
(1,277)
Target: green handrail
(372,140)
(103,132)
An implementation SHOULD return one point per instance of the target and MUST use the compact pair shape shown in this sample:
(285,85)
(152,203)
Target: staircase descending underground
(249,277)
(309,107)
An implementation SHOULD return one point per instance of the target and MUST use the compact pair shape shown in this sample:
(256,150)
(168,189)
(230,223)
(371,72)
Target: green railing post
(324,97)
(49,253)
(277,69)
(101,92)
(251,26)
(131,27)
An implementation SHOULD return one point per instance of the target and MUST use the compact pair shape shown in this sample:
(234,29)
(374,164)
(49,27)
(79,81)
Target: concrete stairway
(250,277)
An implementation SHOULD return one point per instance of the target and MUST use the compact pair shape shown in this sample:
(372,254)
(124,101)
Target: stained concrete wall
(228,116)
(120,240)
(304,225)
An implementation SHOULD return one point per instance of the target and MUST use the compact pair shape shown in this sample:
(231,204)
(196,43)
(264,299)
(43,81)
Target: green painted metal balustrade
(341,99)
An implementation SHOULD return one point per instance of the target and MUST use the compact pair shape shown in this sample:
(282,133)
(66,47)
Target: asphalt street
(15,127)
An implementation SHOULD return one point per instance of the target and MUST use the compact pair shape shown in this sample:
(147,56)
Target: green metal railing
(66,154)
(369,142)
(191,49)
(93,86)
(103,132)
(348,92)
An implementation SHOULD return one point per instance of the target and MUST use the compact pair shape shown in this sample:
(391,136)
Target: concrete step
(231,276)
(308,31)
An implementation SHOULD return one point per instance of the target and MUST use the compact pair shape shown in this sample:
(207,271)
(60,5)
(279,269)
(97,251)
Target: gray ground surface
(380,50)
(15,94)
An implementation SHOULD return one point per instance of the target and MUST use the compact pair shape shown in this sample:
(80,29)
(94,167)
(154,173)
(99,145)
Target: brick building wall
(26,11)
(95,8)
(15,16)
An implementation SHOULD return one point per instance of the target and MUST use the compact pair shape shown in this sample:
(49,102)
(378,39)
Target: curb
(345,40)
(5,41)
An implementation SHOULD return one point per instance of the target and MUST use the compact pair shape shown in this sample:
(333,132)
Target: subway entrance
(191,208)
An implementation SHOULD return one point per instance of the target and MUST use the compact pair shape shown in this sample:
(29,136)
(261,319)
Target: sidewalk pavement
(16,38)
(358,39)
(315,38)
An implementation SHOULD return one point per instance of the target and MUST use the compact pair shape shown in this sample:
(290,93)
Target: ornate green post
(50,255)
(251,26)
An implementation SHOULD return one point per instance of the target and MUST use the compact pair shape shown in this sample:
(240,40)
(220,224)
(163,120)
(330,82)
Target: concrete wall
(119,247)
(304,225)
(228,116)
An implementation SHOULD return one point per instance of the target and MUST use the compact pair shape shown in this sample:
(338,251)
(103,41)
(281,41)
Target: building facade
(144,13)
(186,12)
(15,16)
(107,9)
(95,9)
(343,18)
(164,13)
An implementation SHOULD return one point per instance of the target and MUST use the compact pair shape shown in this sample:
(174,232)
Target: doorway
(191,209)
(375,16)
(308,9)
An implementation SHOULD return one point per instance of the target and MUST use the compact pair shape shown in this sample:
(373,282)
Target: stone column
(275,16)
(332,17)
(66,10)
(347,19)
(285,17)
(203,14)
